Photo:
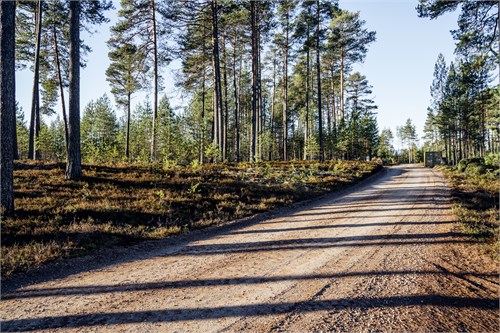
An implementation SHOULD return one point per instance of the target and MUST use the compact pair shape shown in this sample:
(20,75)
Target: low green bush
(492,160)
(462,165)
(474,168)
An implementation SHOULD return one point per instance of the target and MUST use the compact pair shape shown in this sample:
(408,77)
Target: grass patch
(476,204)
(124,204)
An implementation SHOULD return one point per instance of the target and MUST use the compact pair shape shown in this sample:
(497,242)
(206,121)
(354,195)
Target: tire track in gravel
(382,257)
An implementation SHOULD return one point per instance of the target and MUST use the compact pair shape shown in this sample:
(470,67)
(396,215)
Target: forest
(263,82)
(266,85)
(268,80)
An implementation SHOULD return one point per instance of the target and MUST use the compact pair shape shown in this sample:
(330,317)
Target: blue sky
(399,65)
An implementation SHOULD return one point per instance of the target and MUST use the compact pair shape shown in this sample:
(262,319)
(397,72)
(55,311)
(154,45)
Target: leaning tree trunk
(7,104)
(74,164)
(61,89)
(34,133)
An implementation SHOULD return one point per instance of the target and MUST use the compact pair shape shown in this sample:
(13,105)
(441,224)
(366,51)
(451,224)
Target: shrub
(462,165)
(492,160)
(474,168)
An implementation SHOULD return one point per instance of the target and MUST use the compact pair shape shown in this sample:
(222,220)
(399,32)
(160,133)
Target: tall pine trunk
(203,94)
(226,107)
(308,88)
(255,68)
(236,107)
(7,104)
(34,132)
(155,81)
(334,107)
(74,163)
(341,106)
(127,131)
(14,135)
(285,88)
(260,113)
(218,105)
(318,73)
(273,101)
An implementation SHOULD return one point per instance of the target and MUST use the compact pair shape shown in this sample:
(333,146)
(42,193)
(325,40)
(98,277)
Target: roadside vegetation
(121,205)
(476,193)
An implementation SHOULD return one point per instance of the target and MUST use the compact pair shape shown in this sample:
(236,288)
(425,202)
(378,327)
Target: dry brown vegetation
(120,205)
(476,204)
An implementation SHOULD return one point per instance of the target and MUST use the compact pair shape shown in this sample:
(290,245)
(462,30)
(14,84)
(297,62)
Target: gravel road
(383,256)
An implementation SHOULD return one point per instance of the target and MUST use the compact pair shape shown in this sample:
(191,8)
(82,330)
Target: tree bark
(74,164)
(260,112)
(308,73)
(14,134)
(273,101)
(334,107)
(255,65)
(155,82)
(7,104)
(342,114)
(318,73)
(203,94)
(285,87)
(218,106)
(127,131)
(236,107)
(226,108)
(34,133)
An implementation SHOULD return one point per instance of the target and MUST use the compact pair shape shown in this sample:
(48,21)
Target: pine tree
(286,17)
(7,104)
(74,164)
(385,145)
(350,39)
(99,131)
(361,129)
(125,75)
(478,23)
(138,25)
(44,43)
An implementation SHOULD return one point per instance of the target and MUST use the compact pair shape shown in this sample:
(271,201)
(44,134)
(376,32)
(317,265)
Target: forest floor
(385,255)
(120,205)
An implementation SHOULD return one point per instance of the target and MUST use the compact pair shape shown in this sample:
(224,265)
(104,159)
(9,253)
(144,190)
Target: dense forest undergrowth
(124,204)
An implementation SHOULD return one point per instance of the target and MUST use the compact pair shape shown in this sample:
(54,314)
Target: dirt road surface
(383,256)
